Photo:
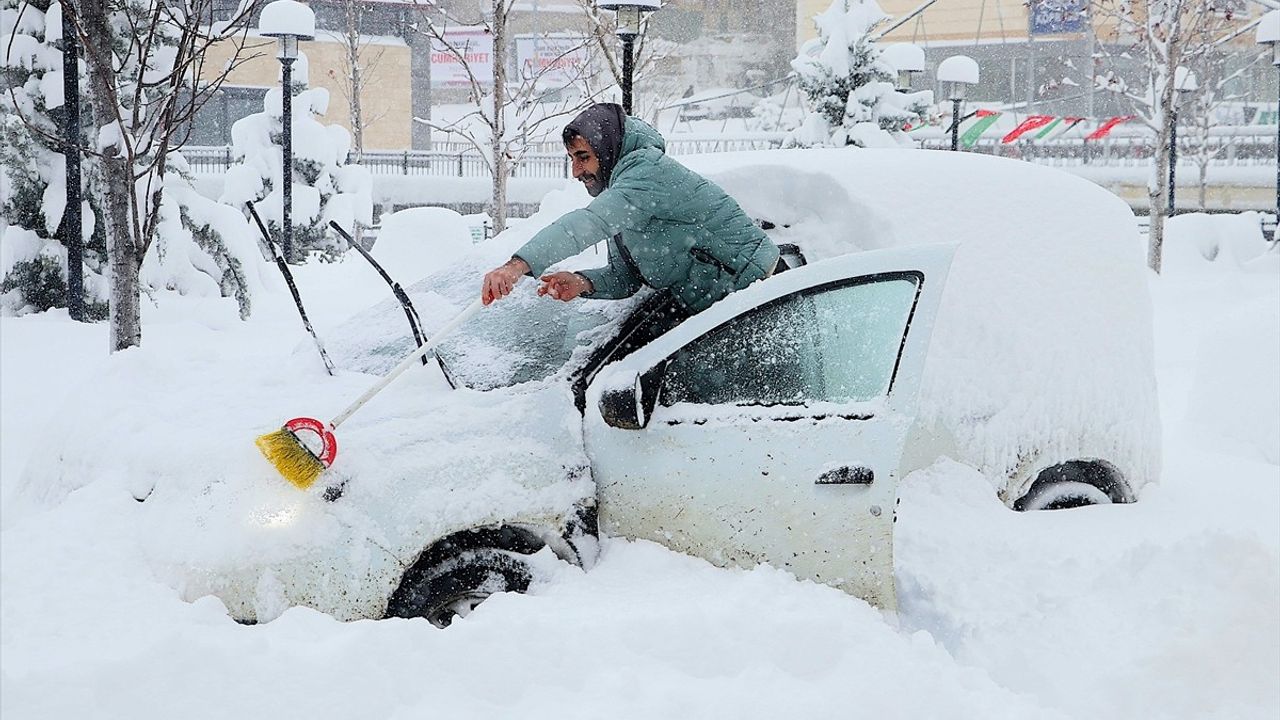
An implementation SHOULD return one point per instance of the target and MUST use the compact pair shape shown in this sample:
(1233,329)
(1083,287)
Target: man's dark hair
(568,135)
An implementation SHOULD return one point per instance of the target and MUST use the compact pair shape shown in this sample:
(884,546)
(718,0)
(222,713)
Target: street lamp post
(958,72)
(1184,83)
(629,15)
(71,221)
(1268,33)
(907,59)
(288,21)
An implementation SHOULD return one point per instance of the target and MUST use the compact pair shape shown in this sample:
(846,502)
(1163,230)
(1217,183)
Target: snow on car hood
(417,462)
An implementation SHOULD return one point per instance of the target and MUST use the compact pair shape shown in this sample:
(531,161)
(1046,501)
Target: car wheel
(1062,495)
(456,585)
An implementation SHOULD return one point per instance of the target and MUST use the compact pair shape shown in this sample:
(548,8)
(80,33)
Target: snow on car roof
(1045,325)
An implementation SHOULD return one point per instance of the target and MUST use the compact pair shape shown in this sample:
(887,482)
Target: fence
(1226,147)
(1246,146)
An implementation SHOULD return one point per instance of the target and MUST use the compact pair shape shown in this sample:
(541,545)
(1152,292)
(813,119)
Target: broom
(302,462)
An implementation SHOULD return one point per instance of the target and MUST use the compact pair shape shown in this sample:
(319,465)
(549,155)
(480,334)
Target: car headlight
(275,517)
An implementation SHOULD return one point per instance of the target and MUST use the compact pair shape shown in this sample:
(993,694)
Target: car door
(769,428)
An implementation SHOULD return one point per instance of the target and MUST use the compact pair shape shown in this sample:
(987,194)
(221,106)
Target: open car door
(770,428)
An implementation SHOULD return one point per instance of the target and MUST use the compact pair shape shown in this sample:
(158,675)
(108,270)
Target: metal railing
(1227,147)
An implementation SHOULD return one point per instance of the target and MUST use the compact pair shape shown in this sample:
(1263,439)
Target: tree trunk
(357,84)
(115,179)
(1158,197)
(1204,183)
(1158,192)
(354,92)
(500,164)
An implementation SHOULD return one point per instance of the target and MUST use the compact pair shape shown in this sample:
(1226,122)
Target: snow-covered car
(1001,319)
(953,305)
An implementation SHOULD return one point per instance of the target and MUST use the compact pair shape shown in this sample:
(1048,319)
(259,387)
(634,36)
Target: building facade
(1041,56)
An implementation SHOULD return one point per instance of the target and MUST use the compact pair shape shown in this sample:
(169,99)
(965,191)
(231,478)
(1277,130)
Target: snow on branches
(849,86)
(324,187)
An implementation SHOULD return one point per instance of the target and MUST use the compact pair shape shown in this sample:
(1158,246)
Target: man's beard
(593,185)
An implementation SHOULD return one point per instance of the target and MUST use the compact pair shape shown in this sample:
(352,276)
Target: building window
(375,18)
(214,120)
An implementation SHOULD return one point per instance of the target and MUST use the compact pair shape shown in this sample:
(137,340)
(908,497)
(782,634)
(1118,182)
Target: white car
(953,305)
(1000,318)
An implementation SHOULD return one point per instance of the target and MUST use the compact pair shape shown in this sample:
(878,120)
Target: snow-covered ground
(1166,608)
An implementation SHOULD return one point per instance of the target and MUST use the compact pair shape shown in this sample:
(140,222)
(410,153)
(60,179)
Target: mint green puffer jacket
(667,227)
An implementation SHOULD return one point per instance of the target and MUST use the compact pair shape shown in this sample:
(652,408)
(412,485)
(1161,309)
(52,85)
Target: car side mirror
(630,408)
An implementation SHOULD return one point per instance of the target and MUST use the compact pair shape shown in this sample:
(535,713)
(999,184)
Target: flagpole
(955,124)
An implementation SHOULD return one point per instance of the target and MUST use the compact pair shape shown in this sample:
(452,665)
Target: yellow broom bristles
(290,457)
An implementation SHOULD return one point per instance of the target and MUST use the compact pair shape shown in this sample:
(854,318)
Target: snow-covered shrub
(1228,240)
(202,247)
(32,167)
(849,87)
(324,187)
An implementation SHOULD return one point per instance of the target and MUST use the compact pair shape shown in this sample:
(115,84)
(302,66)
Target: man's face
(586,166)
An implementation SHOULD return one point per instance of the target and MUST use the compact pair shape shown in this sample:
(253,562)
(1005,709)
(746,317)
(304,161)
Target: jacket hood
(640,135)
(601,125)
(612,134)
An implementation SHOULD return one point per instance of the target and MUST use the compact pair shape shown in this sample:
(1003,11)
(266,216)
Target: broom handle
(439,335)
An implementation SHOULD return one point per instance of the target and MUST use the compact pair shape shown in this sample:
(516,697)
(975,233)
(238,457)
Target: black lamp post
(1268,33)
(288,21)
(71,221)
(630,13)
(958,72)
(1184,83)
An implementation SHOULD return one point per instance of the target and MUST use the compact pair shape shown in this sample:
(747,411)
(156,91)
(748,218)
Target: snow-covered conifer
(33,266)
(849,87)
(324,187)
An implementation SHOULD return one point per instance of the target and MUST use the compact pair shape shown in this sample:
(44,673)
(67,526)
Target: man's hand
(564,285)
(499,281)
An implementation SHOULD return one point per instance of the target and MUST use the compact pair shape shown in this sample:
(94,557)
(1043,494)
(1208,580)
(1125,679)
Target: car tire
(456,585)
(1062,495)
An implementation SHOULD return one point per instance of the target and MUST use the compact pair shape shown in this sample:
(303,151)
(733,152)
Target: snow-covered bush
(1230,241)
(849,87)
(324,187)
(202,247)
(33,274)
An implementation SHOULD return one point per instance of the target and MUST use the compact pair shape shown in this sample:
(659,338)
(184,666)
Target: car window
(836,343)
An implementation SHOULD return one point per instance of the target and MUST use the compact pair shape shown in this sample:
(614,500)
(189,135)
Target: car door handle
(847,475)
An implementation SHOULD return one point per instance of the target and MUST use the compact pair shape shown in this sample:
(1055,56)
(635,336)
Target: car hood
(418,462)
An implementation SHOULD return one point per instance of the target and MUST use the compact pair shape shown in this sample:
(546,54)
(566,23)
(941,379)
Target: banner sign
(984,120)
(1035,122)
(555,60)
(1106,127)
(1053,17)
(474,45)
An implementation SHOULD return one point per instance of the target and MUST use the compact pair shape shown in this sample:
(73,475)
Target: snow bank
(1114,611)
(1236,391)
(1166,608)
(1231,241)
(418,241)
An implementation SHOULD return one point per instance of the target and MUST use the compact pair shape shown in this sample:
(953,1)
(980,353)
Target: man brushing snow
(667,227)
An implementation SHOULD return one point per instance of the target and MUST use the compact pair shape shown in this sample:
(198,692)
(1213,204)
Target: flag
(1106,127)
(1059,126)
(1031,123)
(985,119)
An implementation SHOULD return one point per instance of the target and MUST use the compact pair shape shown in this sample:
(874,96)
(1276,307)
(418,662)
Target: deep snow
(1167,608)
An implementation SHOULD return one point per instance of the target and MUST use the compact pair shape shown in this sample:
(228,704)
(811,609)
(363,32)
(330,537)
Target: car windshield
(521,338)
(525,338)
